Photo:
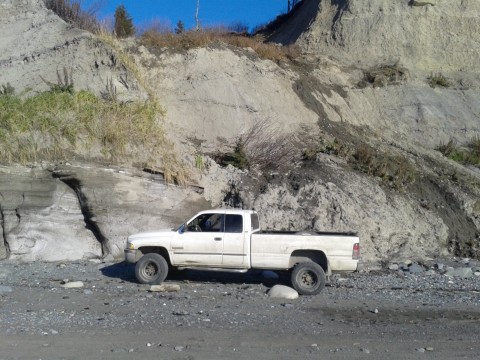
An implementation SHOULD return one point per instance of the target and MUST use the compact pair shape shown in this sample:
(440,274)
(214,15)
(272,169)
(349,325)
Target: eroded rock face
(42,219)
(432,218)
(77,212)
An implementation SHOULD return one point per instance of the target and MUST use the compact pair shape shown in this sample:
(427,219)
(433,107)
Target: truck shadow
(126,272)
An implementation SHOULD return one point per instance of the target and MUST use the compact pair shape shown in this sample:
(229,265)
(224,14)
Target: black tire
(151,269)
(308,278)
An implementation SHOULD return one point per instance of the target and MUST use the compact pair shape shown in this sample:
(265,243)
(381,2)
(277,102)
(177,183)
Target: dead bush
(72,13)
(263,148)
(385,75)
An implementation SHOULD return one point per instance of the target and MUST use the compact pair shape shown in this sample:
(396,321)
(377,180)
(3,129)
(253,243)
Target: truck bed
(274,249)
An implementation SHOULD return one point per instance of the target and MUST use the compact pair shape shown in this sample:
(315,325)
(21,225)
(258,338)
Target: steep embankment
(435,35)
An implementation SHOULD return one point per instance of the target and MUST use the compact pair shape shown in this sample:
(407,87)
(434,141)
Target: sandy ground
(226,316)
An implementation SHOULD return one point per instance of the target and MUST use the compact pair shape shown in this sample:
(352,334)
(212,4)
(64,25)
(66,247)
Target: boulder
(283,292)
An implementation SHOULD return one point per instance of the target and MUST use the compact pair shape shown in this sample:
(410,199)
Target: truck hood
(151,234)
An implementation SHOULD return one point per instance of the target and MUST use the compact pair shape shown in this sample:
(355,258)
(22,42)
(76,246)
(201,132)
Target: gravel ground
(394,314)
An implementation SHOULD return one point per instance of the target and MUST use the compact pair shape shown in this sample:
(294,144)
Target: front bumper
(132,256)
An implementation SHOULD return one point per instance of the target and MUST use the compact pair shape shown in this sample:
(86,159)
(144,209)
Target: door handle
(217,239)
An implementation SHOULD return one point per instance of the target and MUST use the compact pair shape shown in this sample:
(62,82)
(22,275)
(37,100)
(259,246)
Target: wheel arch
(316,256)
(157,250)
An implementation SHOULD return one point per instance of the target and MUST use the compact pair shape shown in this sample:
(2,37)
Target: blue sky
(212,12)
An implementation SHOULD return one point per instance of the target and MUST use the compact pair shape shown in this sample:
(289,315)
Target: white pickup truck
(231,240)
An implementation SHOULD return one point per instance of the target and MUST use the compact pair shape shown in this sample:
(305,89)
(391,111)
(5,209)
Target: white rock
(164,288)
(283,292)
(460,272)
(73,285)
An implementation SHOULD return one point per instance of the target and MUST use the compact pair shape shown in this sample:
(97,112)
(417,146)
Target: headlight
(130,246)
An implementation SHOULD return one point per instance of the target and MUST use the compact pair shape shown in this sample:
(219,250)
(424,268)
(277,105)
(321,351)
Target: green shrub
(468,155)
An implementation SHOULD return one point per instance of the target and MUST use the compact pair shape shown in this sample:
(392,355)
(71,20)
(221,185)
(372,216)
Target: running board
(240,271)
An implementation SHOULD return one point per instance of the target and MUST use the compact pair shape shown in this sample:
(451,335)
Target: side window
(255,222)
(206,223)
(233,223)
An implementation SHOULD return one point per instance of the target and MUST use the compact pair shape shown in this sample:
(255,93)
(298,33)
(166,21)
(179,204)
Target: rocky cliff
(361,83)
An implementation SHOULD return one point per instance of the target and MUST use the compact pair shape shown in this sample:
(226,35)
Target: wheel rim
(308,279)
(150,270)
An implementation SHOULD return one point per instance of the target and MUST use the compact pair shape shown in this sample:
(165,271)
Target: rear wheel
(151,269)
(308,278)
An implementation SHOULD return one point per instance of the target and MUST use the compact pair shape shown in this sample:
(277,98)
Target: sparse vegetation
(64,82)
(468,155)
(438,80)
(394,170)
(194,39)
(385,75)
(7,90)
(334,147)
(56,125)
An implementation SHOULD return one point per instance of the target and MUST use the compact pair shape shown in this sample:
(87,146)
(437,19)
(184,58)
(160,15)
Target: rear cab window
(233,223)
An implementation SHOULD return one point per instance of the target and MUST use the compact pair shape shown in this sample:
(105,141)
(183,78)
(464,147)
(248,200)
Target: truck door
(234,241)
(201,242)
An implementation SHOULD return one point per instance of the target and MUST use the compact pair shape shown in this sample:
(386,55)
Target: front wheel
(151,269)
(308,278)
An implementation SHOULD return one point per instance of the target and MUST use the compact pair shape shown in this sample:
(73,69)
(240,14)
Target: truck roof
(227,211)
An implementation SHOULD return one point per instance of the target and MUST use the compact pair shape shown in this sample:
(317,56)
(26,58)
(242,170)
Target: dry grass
(196,39)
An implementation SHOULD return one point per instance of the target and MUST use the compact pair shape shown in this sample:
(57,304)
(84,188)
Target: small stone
(5,289)
(366,351)
(72,285)
(463,273)
(164,288)
(421,350)
(54,332)
(283,292)
(62,266)
(440,266)
(374,311)
(429,348)
(88,292)
(430,273)
(178,348)
(288,306)
(393,267)
(415,268)
(180,313)
(149,344)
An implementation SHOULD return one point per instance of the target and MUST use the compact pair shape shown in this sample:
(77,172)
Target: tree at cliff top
(123,23)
